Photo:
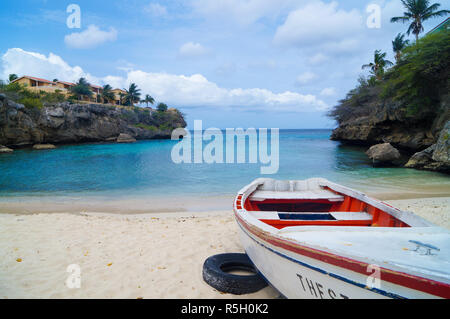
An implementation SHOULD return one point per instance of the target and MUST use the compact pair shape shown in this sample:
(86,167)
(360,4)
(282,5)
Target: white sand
(147,257)
(130,256)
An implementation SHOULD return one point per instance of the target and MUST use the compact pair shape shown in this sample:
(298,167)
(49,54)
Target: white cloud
(193,50)
(177,90)
(306,77)
(196,90)
(156,10)
(89,38)
(328,92)
(52,66)
(317,58)
(320,24)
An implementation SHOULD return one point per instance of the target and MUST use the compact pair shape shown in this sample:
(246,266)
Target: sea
(146,169)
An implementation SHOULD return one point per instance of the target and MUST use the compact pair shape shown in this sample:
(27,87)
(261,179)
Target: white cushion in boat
(309,184)
(300,186)
(308,189)
(282,186)
(268,185)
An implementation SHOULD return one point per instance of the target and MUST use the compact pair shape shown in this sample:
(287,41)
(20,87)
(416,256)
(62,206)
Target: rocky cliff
(78,123)
(423,136)
(387,123)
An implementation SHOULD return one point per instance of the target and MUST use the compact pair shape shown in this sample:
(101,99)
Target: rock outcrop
(389,123)
(382,154)
(425,137)
(125,138)
(4,149)
(44,146)
(436,157)
(79,123)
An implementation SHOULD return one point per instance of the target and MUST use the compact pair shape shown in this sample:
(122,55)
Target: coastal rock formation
(383,153)
(44,146)
(125,138)
(421,159)
(442,151)
(4,149)
(386,122)
(436,157)
(78,123)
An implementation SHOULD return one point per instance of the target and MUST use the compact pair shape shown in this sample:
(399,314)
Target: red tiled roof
(47,81)
(67,83)
(33,78)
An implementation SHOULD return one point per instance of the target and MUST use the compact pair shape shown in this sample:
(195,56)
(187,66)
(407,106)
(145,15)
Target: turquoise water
(145,168)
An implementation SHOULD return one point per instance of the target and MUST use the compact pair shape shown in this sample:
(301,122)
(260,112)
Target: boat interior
(283,204)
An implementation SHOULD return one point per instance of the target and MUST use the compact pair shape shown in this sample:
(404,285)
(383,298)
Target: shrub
(31,103)
(146,127)
(55,97)
(13,87)
(356,103)
(165,127)
(418,79)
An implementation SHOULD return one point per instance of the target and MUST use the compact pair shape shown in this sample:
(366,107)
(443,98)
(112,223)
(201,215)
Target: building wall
(24,81)
(117,95)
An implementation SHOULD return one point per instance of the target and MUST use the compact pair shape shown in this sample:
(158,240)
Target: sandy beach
(131,256)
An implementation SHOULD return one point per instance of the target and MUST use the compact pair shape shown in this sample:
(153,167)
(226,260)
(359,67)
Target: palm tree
(13,77)
(148,99)
(107,93)
(398,45)
(379,64)
(133,94)
(121,97)
(418,11)
(81,89)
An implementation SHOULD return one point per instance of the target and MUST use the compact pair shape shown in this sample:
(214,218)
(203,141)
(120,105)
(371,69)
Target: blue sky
(230,63)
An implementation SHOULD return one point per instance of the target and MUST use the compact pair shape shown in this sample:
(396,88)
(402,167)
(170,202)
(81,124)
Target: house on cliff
(38,84)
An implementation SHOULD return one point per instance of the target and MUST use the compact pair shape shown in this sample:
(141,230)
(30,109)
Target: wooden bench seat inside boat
(318,194)
(287,219)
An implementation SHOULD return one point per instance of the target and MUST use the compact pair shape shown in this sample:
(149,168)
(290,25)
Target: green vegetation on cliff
(421,76)
(30,99)
(413,87)
(162,119)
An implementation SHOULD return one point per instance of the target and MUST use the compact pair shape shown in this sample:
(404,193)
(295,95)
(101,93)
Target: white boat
(318,239)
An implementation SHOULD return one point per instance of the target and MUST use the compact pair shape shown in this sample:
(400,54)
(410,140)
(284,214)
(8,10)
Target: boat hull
(299,277)
(296,279)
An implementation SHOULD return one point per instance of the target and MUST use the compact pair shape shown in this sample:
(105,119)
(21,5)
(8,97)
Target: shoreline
(23,205)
